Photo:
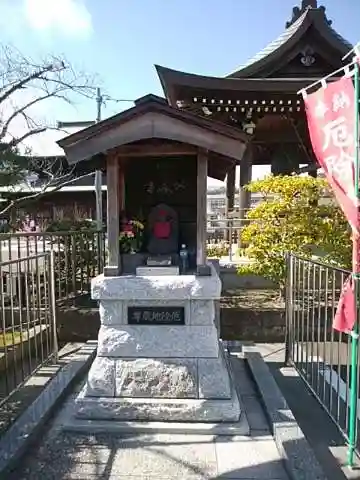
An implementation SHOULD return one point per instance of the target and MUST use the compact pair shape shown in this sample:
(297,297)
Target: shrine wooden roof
(262,95)
(279,68)
(153,119)
(175,79)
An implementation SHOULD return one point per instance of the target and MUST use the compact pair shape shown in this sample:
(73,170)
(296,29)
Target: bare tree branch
(16,141)
(44,191)
(21,83)
(20,111)
(54,78)
(24,85)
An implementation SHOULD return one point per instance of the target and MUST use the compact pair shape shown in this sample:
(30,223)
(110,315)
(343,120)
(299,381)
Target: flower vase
(130,261)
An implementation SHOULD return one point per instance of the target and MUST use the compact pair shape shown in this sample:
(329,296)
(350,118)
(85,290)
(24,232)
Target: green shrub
(217,250)
(297,214)
(69,225)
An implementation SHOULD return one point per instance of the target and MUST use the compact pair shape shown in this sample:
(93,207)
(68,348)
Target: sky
(120,41)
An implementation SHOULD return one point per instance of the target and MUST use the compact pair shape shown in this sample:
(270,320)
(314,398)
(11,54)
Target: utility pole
(98,173)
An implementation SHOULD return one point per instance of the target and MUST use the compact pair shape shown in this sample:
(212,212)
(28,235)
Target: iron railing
(78,256)
(320,354)
(28,337)
(224,236)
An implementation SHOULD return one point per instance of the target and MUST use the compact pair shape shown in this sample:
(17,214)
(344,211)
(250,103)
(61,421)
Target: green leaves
(217,250)
(13,167)
(298,214)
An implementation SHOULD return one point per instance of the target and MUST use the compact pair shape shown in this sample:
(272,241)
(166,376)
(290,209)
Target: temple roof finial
(308,3)
(305,5)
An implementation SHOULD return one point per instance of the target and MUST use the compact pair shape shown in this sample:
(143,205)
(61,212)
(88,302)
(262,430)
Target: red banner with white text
(331,121)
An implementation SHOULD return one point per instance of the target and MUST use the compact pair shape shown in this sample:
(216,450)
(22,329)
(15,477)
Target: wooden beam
(113,212)
(148,150)
(202,170)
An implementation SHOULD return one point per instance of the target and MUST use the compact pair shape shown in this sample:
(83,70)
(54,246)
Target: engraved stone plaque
(156,315)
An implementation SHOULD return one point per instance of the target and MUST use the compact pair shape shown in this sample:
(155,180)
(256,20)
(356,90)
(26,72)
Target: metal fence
(28,337)
(224,236)
(78,256)
(320,355)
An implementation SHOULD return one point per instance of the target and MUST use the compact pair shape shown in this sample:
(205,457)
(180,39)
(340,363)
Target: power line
(118,100)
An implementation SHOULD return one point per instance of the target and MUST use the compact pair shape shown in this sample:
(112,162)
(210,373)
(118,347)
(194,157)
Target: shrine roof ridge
(294,31)
(270,48)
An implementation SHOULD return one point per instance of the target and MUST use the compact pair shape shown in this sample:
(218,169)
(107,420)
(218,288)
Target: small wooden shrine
(159,358)
(157,159)
(261,97)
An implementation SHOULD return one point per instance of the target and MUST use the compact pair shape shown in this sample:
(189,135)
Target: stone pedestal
(158,370)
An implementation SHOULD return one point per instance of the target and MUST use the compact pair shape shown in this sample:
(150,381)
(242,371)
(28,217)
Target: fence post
(288,307)
(230,230)
(53,305)
(101,250)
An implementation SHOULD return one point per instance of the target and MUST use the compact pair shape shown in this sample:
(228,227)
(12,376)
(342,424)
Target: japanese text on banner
(331,121)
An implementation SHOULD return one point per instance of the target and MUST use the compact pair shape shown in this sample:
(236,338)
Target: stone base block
(158,341)
(158,410)
(150,378)
(196,378)
(154,390)
(239,428)
(159,373)
(153,271)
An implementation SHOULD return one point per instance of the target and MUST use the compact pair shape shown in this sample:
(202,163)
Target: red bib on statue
(162,230)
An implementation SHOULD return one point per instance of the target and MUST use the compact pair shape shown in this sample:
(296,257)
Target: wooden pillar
(201,192)
(113,210)
(313,173)
(230,198)
(121,185)
(230,189)
(244,179)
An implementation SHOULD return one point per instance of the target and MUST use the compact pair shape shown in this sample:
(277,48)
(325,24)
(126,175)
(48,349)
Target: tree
(297,214)
(24,84)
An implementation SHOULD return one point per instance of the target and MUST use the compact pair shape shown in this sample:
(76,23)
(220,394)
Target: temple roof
(302,19)
(307,50)
(169,77)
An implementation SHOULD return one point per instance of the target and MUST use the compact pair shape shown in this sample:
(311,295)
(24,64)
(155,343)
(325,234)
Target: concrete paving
(62,455)
(160,457)
(328,444)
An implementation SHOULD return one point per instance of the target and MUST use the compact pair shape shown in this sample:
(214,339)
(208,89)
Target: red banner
(331,120)
(330,116)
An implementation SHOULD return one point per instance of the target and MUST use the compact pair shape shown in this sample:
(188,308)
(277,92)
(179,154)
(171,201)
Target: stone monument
(159,357)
